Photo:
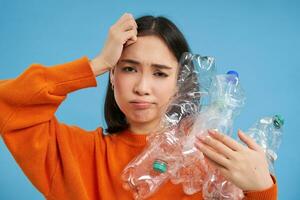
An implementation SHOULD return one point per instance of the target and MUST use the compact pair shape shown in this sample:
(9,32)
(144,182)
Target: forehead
(148,50)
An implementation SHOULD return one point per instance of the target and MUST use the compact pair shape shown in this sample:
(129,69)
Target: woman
(67,162)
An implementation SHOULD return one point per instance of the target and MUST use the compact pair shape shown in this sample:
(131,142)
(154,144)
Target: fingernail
(201,138)
(211,132)
(198,144)
(207,138)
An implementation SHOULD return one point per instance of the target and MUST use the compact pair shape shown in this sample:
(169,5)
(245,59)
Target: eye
(161,74)
(128,69)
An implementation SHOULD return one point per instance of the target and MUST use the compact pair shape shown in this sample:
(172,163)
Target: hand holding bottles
(245,166)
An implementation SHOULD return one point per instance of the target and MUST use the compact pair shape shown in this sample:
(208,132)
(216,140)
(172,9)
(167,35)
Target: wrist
(99,66)
(264,184)
(268,183)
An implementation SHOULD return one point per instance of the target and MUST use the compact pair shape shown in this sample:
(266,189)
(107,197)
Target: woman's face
(144,80)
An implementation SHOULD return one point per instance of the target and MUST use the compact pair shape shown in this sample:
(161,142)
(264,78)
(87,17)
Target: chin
(143,118)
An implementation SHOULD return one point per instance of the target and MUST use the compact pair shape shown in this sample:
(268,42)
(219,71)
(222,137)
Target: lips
(140,104)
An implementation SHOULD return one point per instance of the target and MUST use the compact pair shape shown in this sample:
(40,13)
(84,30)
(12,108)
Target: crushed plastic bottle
(226,100)
(267,132)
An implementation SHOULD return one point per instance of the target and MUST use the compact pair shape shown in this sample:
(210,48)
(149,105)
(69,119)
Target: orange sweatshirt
(66,162)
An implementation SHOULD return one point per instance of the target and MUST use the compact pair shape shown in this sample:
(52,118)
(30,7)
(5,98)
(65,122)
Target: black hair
(174,39)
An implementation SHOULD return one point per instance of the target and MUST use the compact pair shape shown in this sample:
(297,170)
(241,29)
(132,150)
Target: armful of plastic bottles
(226,98)
(163,153)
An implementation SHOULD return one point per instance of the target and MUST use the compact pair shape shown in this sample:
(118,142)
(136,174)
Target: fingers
(228,141)
(211,154)
(129,37)
(218,146)
(129,42)
(128,23)
(126,18)
(125,30)
(249,141)
(213,165)
(128,26)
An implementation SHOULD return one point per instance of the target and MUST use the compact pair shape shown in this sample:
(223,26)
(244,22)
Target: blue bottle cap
(234,76)
(233,73)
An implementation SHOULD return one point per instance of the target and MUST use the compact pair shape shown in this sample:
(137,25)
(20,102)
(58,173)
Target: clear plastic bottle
(267,132)
(152,167)
(226,100)
(163,153)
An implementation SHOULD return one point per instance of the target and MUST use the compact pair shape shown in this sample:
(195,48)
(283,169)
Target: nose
(142,86)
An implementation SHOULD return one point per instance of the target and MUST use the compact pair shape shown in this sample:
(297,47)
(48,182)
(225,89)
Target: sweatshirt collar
(133,139)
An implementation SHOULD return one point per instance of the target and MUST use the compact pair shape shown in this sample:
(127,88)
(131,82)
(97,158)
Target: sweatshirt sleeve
(28,126)
(267,194)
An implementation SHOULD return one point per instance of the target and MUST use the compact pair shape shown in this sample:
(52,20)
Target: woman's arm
(28,124)
(41,145)
(35,95)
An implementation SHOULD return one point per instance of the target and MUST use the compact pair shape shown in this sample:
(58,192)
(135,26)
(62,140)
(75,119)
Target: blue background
(260,39)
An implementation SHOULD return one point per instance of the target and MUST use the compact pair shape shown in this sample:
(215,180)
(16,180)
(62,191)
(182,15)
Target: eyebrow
(160,66)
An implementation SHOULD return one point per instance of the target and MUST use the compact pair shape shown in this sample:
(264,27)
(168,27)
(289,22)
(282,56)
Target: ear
(112,75)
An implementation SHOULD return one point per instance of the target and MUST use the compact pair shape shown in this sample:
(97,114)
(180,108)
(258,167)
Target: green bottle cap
(160,166)
(278,121)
